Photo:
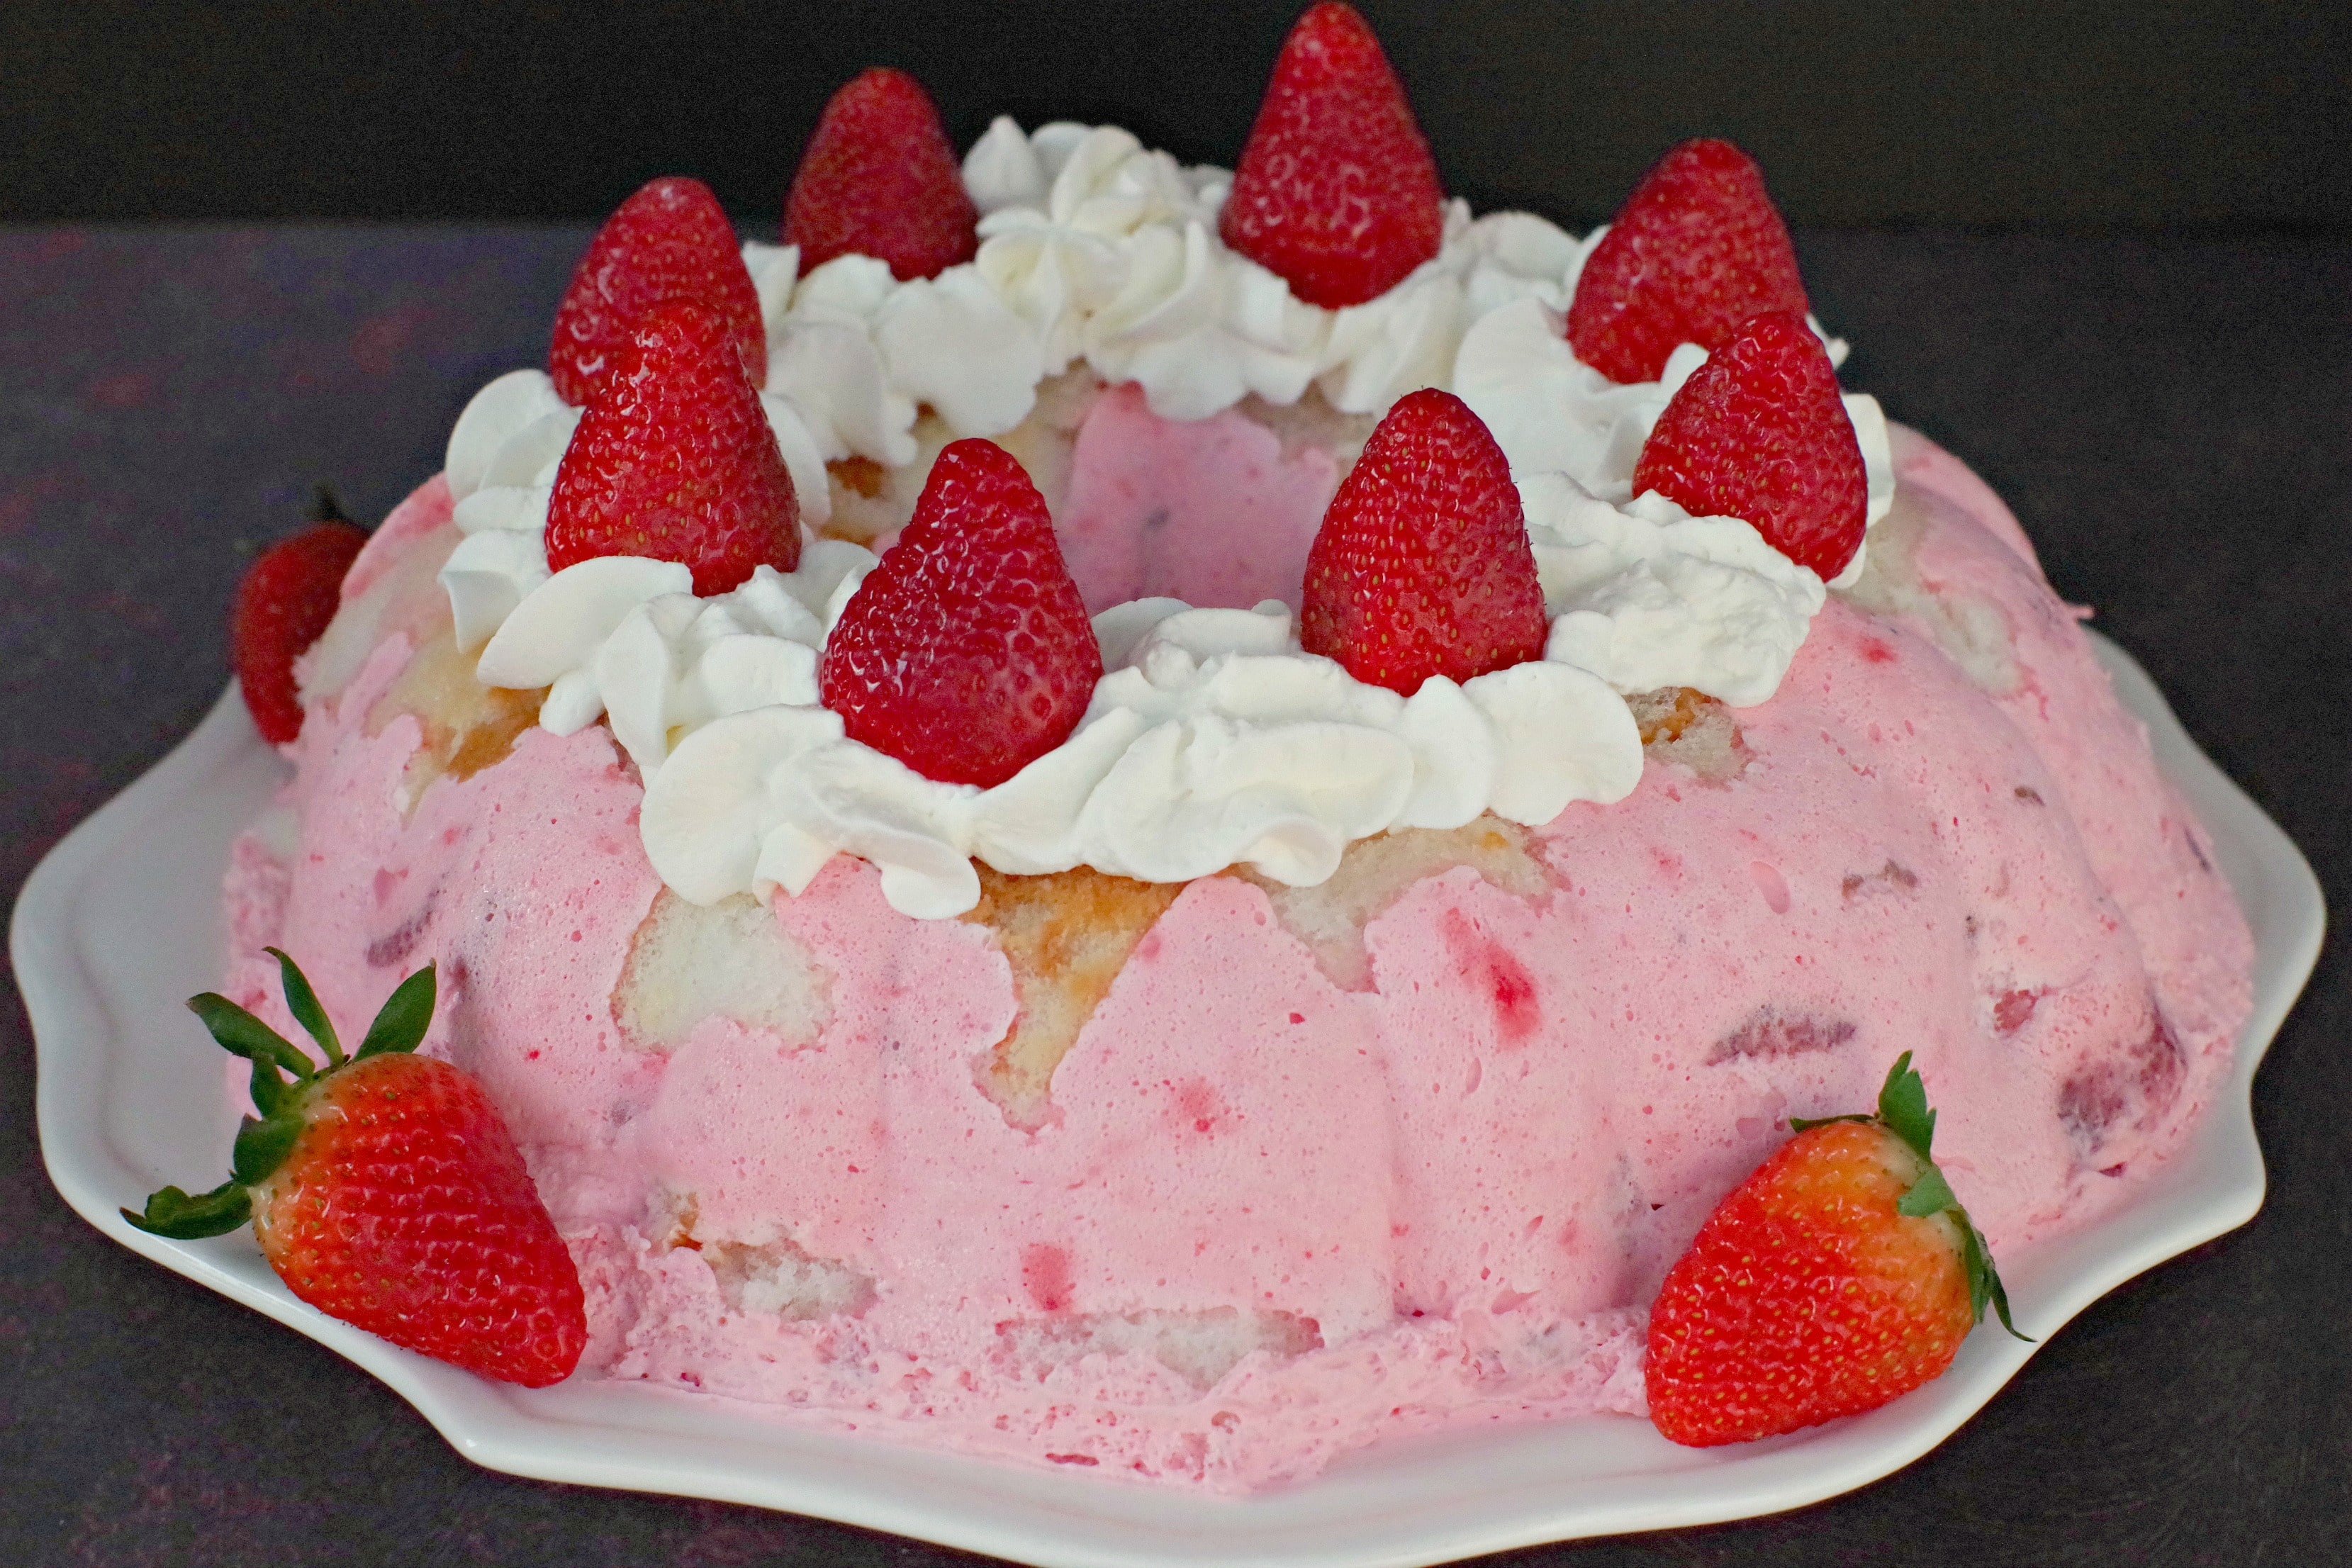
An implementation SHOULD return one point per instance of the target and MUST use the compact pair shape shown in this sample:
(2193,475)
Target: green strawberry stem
(1903,1109)
(282,1079)
(303,1002)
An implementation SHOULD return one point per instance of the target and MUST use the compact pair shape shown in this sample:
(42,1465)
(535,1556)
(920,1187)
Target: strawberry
(1423,566)
(1697,249)
(385,1191)
(879,179)
(1840,1274)
(288,596)
(675,460)
(967,653)
(670,241)
(1758,432)
(1336,190)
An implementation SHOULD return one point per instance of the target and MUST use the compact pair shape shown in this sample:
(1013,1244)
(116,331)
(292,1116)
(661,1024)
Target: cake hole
(731,960)
(1769,1032)
(1375,872)
(1201,1347)
(780,1279)
(1682,725)
(1890,877)
(1972,632)
(1066,936)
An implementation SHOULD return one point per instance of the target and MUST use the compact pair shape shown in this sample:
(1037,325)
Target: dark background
(2207,112)
(2102,251)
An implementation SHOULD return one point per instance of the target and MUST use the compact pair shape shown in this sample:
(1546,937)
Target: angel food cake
(1173,822)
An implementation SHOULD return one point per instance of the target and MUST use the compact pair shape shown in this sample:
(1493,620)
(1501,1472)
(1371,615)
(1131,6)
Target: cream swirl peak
(1213,739)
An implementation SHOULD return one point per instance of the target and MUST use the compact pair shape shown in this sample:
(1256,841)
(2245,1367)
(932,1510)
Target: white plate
(122,921)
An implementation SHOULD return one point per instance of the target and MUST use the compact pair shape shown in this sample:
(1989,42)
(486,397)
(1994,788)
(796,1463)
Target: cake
(1277,1062)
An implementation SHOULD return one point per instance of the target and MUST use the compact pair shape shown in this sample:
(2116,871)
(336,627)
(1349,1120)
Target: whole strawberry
(1759,432)
(879,179)
(670,241)
(675,460)
(385,1191)
(1336,190)
(284,602)
(1842,1273)
(1423,565)
(1697,249)
(967,653)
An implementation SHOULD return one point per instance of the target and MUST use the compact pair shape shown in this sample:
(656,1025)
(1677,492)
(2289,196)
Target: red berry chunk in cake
(670,241)
(675,460)
(285,600)
(1697,249)
(879,179)
(1423,565)
(967,653)
(1336,189)
(1758,432)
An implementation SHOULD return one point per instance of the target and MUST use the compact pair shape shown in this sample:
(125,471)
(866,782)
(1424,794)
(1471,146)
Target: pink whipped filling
(1446,1199)
(1209,511)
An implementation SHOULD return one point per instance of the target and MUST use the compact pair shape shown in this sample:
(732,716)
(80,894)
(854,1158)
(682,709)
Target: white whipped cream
(1110,251)
(626,636)
(1643,594)
(1212,739)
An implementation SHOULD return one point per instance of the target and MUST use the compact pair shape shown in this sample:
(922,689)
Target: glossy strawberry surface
(1336,190)
(1423,566)
(386,1192)
(1842,1274)
(879,179)
(967,653)
(1759,432)
(404,1208)
(283,603)
(675,460)
(1698,249)
(670,241)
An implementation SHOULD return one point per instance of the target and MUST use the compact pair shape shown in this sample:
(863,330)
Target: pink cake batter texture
(1272,1218)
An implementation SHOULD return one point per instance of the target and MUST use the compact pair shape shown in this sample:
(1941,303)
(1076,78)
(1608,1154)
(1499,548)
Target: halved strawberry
(670,241)
(675,460)
(1697,249)
(1423,566)
(284,602)
(1758,432)
(385,1191)
(879,179)
(967,653)
(1336,190)
(1842,1273)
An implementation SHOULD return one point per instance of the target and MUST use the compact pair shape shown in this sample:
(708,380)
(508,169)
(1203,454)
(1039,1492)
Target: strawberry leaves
(174,1213)
(400,1024)
(1904,1111)
(282,1078)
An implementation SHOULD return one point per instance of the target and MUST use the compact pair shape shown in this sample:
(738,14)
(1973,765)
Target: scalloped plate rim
(1400,1504)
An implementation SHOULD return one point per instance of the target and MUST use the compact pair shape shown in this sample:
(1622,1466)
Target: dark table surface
(2170,416)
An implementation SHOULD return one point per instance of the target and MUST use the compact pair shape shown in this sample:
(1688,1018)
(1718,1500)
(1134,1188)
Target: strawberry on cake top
(1205,829)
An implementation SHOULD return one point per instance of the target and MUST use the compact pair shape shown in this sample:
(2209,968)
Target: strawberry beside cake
(1174,822)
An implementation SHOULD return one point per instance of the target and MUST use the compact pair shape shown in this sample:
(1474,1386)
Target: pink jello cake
(1271,1055)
